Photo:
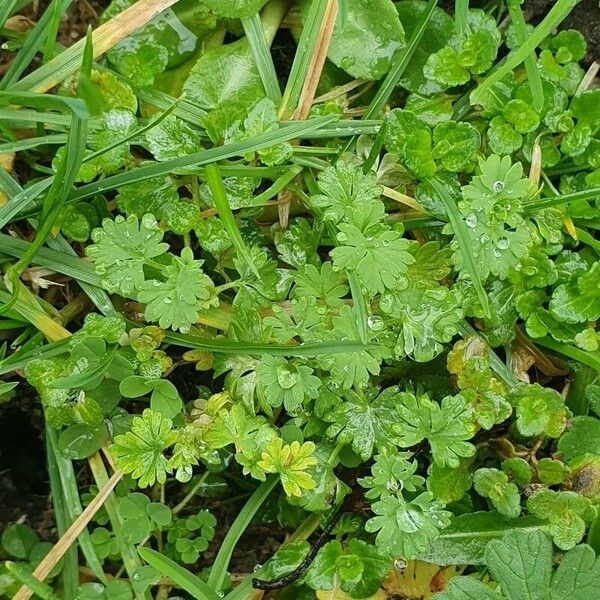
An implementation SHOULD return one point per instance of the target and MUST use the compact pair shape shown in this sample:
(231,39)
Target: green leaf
(410,138)
(178,301)
(568,513)
(286,382)
(446,427)
(583,436)
(365,38)
(391,474)
(140,451)
(578,300)
(407,528)
(504,495)
(467,537)
(290,461)
(438,31)
(120,249)
(366,423)
(455,145)
(170,138)
(375,252)
(235,9)
(539,410)
(18,540)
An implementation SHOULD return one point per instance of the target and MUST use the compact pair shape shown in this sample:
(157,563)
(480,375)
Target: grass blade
(555,16)
(32,585)
(204,157)
(359,305)
(33,43)
(6,10)
(182,577)
(400,62)
(221,562)
(591,359)
(217,189)
(587,194)
(105,37)
(533,75)
(304,52)
(462,237)
(262,57)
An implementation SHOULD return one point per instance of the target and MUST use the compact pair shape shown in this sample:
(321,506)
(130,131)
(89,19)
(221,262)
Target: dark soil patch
(24,487)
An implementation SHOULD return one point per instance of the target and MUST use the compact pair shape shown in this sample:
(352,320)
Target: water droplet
(497,253)
(168,300)
(498,186)
(471,220)
(257,567)
(342,237)
(287,376)
(503,243)
(400,564)
(375,323)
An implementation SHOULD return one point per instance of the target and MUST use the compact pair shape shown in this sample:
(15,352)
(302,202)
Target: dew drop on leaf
(287,376)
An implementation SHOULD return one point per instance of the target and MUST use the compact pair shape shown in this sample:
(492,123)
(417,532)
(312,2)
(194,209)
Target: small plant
(324,329)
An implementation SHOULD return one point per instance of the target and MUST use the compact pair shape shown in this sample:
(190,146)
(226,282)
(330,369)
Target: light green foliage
(539,410)
(141,451)
(176,301)
(120,249)
(446,426)
(365,38)
(503,494)
(191,536)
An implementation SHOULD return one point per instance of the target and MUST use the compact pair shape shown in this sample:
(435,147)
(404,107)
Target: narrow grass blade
(278,185)
(304,52)
(533,75)
(591,359)
(550,201)
(6,10)
(61,469)
(31,351)
(182,577)
(464,244)
(359,305)
(221,562)
(70,572)
(555,16)
(50,43)
(33,142)
(105,37)
(33,43)
(285,134)
(217,189)
(33,585)
(461,12)
(262,57)
(400,62)
(221,346)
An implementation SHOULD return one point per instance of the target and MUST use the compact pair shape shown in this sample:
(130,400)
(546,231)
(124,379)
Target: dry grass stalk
(65,542)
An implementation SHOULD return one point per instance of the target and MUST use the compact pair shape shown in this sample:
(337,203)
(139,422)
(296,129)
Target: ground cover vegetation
(305,296)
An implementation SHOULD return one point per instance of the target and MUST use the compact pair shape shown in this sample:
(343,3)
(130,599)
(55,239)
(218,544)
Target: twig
(60,548)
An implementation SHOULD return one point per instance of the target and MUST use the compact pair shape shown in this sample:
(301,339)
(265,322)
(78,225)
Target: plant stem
(218,571)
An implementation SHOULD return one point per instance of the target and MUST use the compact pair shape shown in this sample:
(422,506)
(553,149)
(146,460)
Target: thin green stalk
(461,13)
(587,239)
(50,44)
(40,589)
(180,575)
(217,189)
(591,359)
(464,244)
(555,16)
(63,467)
(400,62)
(218,571)
(278,185)
(304,51)
(295,130)
(550,201)
(70,572)
(533,75)
(6,10)
(32,45)
(359,305)
(260,34)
